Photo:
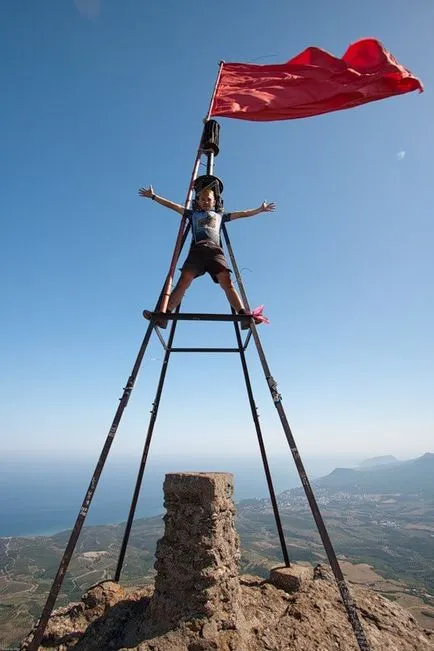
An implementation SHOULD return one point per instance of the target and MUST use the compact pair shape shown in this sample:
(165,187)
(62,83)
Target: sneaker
(161,322)
(245,323)
(257,316)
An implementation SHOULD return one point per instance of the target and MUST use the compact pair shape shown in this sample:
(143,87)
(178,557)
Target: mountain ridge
(414,475)
(378,461)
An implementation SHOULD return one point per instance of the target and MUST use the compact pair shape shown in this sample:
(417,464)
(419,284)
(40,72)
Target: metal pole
(210,163)
(66,558)
(168,285)
(277,399)
(143,461)
(261,445)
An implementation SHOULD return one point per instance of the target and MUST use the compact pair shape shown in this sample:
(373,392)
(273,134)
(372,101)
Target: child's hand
(268,207)
(146,192)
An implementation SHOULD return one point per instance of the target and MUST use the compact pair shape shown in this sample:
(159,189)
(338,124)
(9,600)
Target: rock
(102,596)
(290,579)
(322,573)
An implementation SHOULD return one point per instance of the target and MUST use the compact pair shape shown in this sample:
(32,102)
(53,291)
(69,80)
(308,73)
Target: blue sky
(99,98)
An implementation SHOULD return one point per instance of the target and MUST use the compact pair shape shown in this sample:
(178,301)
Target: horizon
(57,455)
(30,508)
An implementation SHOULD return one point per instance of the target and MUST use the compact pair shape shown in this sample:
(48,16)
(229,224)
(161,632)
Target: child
(206,254)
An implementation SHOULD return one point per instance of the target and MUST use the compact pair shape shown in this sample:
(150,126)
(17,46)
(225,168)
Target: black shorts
(206,257)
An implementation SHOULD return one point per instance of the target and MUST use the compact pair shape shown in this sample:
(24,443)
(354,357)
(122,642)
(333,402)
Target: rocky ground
(311,619)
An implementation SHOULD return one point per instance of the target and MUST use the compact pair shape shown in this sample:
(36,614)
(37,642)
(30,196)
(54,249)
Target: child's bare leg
(182,285)
(176,296)
(225,283)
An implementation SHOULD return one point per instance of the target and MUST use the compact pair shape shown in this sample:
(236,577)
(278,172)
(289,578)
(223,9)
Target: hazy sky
(100,97)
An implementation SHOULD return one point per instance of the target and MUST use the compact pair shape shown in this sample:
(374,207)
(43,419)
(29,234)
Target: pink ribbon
(258,316)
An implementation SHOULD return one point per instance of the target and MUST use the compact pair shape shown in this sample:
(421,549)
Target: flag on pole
(311,83)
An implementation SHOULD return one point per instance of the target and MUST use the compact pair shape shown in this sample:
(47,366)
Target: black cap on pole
(210,137)
(208,181)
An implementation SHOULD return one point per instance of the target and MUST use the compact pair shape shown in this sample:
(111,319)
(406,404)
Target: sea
(41,496)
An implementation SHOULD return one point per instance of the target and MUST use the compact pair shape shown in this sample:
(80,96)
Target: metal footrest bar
(199,316)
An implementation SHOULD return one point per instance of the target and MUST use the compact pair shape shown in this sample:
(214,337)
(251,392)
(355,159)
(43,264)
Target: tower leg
(154,412)
(66,558)
(277,399)
(262,446)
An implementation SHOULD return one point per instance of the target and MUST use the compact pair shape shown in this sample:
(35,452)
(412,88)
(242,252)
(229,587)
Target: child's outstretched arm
(264,207)
(148,193)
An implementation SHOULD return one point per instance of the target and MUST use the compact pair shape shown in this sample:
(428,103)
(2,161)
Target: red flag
(311,83)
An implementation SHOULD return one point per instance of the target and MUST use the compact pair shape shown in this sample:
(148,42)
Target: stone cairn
(198,557)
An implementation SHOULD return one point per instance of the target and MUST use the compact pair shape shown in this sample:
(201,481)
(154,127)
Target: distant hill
(409,477)
(378,461)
